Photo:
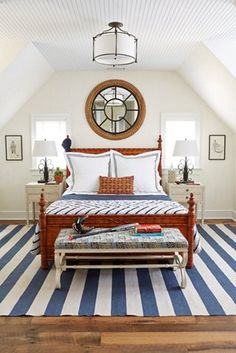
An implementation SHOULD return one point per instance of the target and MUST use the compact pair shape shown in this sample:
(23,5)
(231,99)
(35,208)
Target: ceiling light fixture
(114,46)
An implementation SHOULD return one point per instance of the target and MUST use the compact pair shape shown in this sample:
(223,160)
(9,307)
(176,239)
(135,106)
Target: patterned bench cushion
(171,238)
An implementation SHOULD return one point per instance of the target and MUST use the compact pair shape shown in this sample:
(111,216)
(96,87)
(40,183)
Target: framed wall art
(217,144)
(13,146)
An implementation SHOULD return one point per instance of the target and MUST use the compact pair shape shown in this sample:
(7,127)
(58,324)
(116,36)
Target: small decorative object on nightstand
(171,175)
(33,190)
(58,175)
(181,192)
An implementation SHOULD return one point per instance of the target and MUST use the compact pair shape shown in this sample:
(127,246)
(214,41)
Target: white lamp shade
(43,148)
(104,49)
(185,148)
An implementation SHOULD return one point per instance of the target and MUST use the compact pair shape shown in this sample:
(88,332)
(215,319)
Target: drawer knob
(186,197)
(187,190)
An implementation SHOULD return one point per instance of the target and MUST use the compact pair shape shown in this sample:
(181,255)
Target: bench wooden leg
(183,270)
(181,262)
(57,262)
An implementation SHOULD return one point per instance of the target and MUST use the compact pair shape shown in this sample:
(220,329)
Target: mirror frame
(89,111)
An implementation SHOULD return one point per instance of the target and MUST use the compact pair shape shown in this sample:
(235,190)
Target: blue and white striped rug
(25,289)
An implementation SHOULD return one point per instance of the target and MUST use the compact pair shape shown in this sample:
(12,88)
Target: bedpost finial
(42,200)
(191,203)
(159,142)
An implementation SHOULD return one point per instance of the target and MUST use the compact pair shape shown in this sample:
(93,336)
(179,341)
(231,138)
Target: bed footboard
(50,226)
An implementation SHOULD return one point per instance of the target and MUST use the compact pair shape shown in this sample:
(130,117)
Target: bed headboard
(127,151)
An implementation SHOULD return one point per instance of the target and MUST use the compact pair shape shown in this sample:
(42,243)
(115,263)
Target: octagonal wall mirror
(115,109)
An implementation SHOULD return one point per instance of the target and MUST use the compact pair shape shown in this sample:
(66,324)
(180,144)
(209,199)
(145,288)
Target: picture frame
(217,147)
(13,147)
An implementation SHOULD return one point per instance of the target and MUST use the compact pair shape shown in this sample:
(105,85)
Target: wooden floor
(119,334)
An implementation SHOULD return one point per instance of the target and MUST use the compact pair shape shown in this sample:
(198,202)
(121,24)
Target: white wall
(66,92)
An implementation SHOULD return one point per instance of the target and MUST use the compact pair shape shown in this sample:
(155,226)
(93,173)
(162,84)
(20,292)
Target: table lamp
(44,148)
(185,148)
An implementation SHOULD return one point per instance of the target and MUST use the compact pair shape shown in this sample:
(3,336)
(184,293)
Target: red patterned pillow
(111,185)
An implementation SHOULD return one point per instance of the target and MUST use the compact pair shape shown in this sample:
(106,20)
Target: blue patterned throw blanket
(93,204)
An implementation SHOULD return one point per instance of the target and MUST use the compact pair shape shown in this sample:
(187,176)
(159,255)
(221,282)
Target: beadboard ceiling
(167,30)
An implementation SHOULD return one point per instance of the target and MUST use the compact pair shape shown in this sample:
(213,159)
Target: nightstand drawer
(185,196)
(185,192)
(48,197)
(48,189)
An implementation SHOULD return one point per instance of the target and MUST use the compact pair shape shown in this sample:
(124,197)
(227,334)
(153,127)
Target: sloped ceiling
(225,51)
(9,49)
(24,76)
(61,32)
(213,82)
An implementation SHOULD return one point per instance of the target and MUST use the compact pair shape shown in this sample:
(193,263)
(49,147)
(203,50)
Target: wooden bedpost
(43,231)
(159,143)
(191,224)
(159,146)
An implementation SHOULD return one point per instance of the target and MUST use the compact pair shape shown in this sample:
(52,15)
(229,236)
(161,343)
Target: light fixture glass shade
(185,148)
(115,46)
(44,148)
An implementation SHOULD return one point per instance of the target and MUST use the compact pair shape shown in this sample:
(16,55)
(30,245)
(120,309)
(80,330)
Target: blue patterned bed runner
(107,197)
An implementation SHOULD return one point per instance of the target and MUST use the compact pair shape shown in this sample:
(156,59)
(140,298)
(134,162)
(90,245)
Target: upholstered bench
(165,248)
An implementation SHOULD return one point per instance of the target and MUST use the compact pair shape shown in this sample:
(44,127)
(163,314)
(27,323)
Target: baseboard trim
(14,215)
(219,214)
(209,214)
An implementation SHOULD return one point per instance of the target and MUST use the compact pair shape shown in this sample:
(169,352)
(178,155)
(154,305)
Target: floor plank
(118,334)
(164,338)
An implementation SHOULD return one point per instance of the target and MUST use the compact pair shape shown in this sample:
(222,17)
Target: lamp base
(185,170)
(43,168)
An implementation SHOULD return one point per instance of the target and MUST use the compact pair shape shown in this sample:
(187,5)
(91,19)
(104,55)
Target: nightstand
(33,190)
(181,193)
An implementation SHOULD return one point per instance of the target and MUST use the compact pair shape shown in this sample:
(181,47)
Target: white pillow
(85,169)
(142,166)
